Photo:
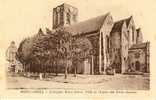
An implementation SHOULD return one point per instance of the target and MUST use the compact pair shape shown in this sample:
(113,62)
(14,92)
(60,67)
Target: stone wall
(137,60)
(64,15)
(139,38)
(124,48)
(115,51)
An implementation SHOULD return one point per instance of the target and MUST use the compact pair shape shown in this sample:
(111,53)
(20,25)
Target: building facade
(13,64)
(139,56)
(116,45)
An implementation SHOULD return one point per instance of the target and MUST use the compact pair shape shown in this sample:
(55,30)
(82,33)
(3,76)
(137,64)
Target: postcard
(78,49)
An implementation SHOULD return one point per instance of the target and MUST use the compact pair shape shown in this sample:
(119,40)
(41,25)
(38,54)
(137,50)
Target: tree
(38,52)
(24,52)
(81,50)
(45,52)
(64,48)
(72,48)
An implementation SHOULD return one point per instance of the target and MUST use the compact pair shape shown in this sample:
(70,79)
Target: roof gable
(87,26)
(118,25)
(128,20)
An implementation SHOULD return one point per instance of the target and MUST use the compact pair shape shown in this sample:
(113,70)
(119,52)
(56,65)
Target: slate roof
(117,27)
(87,26)
(139,46)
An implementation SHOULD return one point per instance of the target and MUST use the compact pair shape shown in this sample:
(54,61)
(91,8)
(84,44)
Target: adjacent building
(13,64)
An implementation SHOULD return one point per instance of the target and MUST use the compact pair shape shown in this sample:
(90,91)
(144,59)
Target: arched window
(56,18)
(68,18)
(107,44)
(74,18)
(137,34)
(124,58)
(133,33)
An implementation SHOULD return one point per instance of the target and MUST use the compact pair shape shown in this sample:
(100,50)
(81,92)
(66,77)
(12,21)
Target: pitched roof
(139,46)
(128,20)
(118,25)
(87,26)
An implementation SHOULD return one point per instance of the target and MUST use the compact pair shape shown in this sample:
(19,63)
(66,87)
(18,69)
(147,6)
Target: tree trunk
(24,69)
(55,64)
(28,73)
(75,70)
(41,72)
(56,71)
(44,70)
(66,72)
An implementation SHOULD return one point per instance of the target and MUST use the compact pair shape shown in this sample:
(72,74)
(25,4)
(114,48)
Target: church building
(116,44)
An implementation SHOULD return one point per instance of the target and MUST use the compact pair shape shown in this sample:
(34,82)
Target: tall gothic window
(132,33)
(58,15)
(137,34)
(107,43)
(74,18)
(68,18)
(56,18)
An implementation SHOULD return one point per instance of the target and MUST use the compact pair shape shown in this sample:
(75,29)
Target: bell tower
(64,15)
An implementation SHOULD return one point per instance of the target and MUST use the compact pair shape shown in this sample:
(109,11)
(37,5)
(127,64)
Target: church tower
(64,15)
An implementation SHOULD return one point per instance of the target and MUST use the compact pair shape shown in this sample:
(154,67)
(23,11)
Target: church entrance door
(87,67)
(137,66)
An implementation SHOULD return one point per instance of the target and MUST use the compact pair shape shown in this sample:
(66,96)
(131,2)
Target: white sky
(22,18)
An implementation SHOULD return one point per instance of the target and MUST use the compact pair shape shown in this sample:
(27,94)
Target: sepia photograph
(77,45)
